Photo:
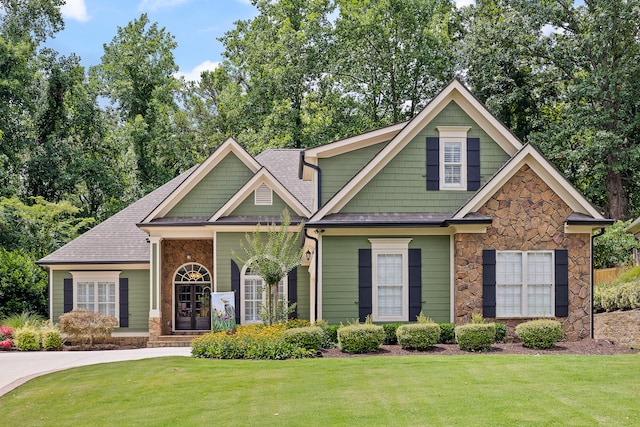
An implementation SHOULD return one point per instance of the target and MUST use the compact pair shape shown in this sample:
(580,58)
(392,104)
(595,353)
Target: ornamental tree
(272,255)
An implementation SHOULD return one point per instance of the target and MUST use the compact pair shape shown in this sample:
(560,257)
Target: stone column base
(155,328)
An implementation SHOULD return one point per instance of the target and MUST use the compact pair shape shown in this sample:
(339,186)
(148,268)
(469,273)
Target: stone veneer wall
(527,215)
(621,327)
(174,254)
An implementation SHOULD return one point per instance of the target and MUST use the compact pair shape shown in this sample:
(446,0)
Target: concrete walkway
(18,367)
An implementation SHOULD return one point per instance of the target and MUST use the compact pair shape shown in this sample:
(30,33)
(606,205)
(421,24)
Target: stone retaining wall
(621,327)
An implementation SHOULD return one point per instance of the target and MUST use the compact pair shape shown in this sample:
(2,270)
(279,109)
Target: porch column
(155,325)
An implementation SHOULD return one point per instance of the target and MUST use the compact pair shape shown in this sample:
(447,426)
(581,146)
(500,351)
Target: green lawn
(469,390)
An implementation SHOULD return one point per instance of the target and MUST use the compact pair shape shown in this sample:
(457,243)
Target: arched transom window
(189,273)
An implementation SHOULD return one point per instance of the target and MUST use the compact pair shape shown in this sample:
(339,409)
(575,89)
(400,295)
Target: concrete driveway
(18,367)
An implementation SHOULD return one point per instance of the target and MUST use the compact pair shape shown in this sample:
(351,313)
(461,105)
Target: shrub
(6,335)
(421,318)
(249,342)
(477,318)
(501,332)
(27,338)
(447,333)
(309,337)
(51,339)
(331,334)
(418,336)
(25,318)
(297,323)
(542,333)
(86,325)
(622,296)
(360,338)
(475,336)
(390,329)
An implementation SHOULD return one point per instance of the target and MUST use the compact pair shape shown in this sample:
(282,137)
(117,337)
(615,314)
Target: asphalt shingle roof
(283,165)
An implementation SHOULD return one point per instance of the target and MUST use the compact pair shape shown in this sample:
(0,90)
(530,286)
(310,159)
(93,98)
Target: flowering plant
(6,333)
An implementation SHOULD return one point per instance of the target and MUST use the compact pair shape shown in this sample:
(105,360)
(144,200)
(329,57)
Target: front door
(193,307)
(192,298)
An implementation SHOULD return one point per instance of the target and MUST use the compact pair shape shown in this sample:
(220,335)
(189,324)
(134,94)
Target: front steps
(176,340)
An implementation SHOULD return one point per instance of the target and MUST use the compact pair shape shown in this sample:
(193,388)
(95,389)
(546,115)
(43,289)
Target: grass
(390,391)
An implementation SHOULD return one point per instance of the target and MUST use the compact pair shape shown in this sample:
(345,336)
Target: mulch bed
(584,347)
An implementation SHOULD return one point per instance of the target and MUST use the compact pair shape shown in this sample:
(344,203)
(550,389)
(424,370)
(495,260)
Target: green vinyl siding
(226,244)
(340,276)
(338,170)
(249,208)
(401,185)
(138,298)
(213,191)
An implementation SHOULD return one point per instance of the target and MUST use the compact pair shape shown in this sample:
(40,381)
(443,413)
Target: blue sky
(195,24)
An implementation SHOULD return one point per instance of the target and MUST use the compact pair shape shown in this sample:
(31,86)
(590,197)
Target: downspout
(304,163)
(593,236)
(315,282)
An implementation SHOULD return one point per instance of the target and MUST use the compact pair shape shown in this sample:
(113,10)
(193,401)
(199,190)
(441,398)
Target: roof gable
(262,177)
(230,146)
(454,92)
(531,157)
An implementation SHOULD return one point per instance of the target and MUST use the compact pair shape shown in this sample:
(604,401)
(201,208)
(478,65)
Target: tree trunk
(618,204)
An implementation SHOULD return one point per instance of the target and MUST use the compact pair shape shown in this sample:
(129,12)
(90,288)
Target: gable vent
(263,196)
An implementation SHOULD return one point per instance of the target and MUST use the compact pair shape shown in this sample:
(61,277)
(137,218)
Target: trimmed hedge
(623,296)
(390,329)
(541,333)
(308,337)
(418,336)
(51,339)
(358,338)
(475,336)
(447,333)
(501,332)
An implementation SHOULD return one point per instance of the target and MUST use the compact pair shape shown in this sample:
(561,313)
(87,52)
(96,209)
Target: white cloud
(194,75)
(75,9)
(463,3)
(548,30)
(154,5)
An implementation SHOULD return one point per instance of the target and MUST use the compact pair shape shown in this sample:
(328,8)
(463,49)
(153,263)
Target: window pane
(252,299)
(85,297)
(539,300)
(508,300)
(452,152)
(389,269)
(389,301)
(509,268)
(452,174)
(539,268)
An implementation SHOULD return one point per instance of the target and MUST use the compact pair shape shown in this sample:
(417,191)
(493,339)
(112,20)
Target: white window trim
(457,134)
(524,294)
(95,277)
(263,195)
(243,276)
(390,247)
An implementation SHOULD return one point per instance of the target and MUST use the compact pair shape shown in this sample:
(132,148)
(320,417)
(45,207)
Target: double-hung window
(254,296)
(524,284)
(96,291)
(453,157)
(390,279)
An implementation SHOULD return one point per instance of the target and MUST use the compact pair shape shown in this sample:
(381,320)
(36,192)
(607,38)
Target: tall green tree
(393,56)
(24,25)
(137,74)
(564,76)
(277,59)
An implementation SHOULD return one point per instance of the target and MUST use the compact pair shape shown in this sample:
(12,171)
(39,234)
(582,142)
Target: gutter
(304,163)
(593,236)
(315,282)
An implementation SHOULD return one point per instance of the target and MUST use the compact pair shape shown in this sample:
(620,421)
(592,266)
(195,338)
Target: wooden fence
(605,275)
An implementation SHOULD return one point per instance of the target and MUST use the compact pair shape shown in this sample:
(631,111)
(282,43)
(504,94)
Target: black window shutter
(433,163)
(292,290)
(473,164)
(415,283)
(235,287)
(68,295)
(562,282)
(489,283)
(124,302)
(365,283)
